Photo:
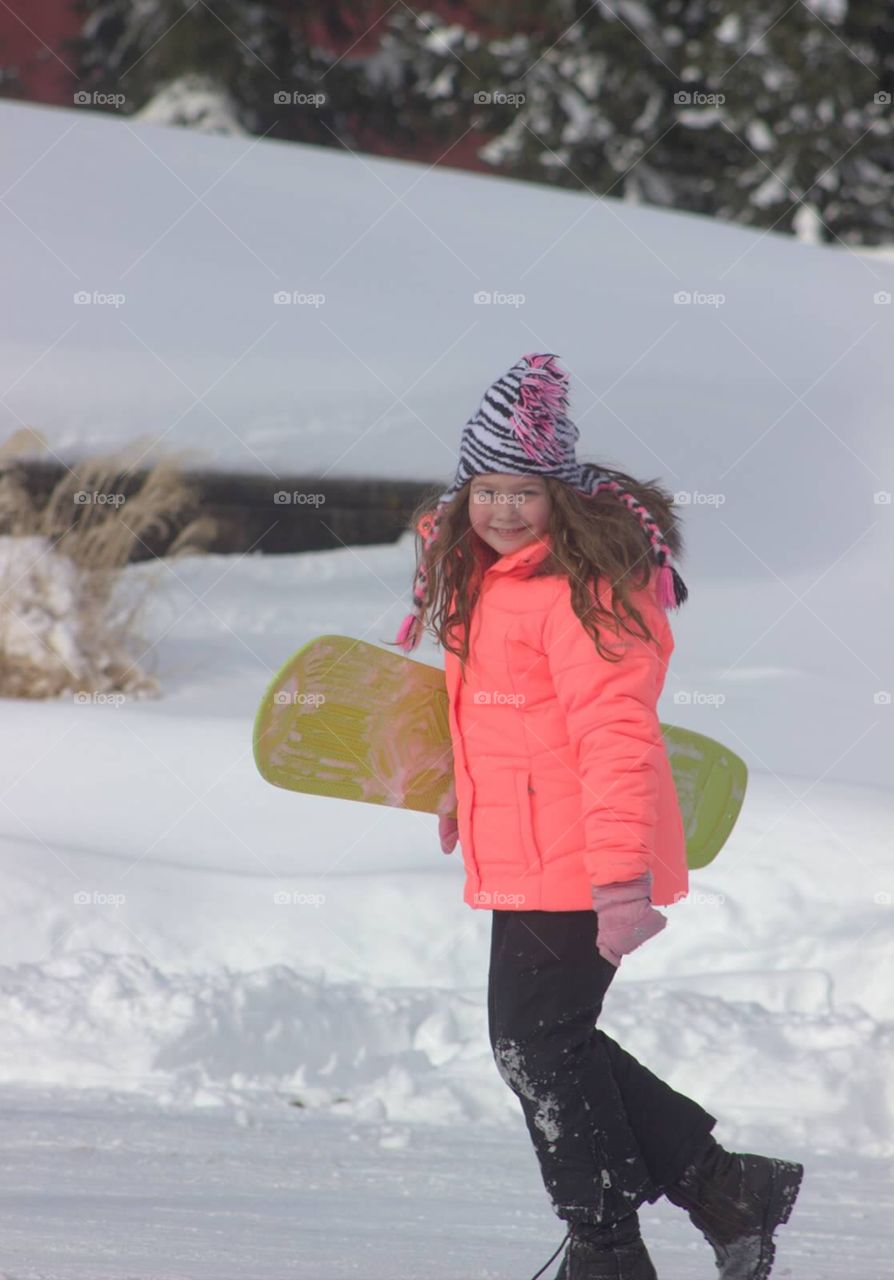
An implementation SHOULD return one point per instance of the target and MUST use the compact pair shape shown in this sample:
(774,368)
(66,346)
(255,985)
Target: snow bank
(420,1055)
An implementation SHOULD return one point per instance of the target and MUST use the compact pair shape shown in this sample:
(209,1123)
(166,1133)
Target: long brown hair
(591,538)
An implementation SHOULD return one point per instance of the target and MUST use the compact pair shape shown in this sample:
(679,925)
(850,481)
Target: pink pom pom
(542,399)
(408,635)
(665,588)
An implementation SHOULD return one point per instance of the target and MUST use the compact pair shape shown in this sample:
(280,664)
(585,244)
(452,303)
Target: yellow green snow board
(348,719)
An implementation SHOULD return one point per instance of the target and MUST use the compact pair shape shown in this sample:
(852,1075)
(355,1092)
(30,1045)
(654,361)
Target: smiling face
(508,511)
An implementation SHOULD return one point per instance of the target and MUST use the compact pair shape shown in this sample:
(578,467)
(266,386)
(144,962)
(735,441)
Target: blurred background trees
(765,114)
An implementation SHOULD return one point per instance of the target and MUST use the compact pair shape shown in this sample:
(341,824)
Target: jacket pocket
(524,791)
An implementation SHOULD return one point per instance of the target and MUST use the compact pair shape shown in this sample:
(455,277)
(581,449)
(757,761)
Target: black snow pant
(608,1133)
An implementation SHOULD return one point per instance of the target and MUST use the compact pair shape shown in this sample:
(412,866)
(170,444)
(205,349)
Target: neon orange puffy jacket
(562,777)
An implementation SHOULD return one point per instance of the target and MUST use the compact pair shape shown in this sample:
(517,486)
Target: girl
(546,581)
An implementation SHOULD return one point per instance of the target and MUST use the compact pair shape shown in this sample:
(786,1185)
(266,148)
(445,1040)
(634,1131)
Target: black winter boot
(612,1252)
(737,1202)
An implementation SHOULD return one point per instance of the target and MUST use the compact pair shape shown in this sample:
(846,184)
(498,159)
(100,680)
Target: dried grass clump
(69,618)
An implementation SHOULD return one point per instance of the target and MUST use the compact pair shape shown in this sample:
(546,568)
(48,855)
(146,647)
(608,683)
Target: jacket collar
(526,555)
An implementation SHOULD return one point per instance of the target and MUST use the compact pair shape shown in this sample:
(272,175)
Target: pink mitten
(626,917)
(448,830)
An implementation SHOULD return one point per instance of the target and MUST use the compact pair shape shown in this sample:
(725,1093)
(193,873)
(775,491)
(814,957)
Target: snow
(40,593)
(195,101)
(218,1193)
(245,1030)
(759,135)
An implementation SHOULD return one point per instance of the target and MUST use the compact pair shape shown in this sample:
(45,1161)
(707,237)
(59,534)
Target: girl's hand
(626,917)
(448,830)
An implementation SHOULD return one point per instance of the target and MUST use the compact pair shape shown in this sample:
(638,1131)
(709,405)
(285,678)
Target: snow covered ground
(198,1079)
(99,1186)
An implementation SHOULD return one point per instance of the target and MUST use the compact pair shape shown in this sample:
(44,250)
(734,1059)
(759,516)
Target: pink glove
(448,830)
(626,917)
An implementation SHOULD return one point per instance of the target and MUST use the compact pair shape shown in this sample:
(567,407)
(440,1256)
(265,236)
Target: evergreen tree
(767,115)
(722,107)
(257,55)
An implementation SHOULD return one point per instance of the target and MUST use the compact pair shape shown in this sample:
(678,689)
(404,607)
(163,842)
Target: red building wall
(32,33)
(31,36)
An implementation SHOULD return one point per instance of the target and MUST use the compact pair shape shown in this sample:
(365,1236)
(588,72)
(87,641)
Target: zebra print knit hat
(522,427)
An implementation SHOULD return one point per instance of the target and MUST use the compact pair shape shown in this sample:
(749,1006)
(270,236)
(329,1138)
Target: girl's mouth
(510,533)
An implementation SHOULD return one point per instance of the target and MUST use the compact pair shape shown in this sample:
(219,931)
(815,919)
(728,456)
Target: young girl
(546,581)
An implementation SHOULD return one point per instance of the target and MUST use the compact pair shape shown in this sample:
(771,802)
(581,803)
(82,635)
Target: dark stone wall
(266,513)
